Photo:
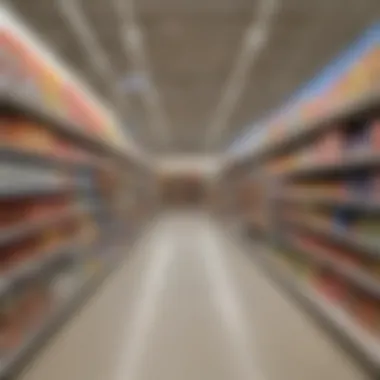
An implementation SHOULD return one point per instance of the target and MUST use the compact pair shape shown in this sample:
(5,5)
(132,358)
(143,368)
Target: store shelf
(359,343)
(352,203)
(355,275)
(305,132)
(343,238)
(14,363)
(12,103)
(21,189)
(18,232)
(33,268)
(345,165)
(14,155)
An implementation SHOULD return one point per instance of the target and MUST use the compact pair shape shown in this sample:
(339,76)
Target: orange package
(19,133)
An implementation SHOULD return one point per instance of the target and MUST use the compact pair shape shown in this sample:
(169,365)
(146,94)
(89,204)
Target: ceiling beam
(134,48)
(96,56)
(254,40)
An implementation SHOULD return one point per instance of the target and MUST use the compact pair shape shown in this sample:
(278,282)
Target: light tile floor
(189,304)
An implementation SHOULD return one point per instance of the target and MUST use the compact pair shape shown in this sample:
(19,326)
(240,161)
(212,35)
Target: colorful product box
(330,147)
(333,287)
(375,135)
(358,139)
(366,310)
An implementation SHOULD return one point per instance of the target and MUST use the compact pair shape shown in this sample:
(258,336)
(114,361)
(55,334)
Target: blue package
(342,219)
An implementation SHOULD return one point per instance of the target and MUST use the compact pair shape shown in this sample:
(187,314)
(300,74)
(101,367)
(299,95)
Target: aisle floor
(188,303)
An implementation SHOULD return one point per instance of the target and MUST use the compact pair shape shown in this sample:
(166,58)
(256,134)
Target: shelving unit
(321,182)
(70,207)
(361,344)
(348,202)
(304,132)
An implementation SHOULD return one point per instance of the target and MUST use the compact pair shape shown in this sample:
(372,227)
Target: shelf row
(81,263)
(20,189)
(306,132)
(349,202)
(356,276)
(15,104)
(34,268)
(25,229)
(356,340)
(30,158)
(64,305)
(346,239)
(343,166)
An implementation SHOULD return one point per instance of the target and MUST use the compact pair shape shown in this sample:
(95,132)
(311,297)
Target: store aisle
(190,304)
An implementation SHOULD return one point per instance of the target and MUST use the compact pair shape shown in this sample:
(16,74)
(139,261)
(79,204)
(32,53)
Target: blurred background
(189,189)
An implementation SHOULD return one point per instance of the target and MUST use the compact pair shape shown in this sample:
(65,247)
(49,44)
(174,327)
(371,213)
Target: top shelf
(304,132)
(13,103)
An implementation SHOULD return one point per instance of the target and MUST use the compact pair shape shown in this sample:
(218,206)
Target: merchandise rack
(301,269)
(11,366)
(351,203)
(360,345)
(14,103)
(307,131)
(97,204)
(342,238)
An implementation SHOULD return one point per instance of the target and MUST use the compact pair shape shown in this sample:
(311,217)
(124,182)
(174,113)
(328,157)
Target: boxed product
(20,252)
(13,212)
(23,134)
(366,310)
(327,250)
(329,148)
(51,238)
(332,286)
(375,135)
(358,138)
(371,266)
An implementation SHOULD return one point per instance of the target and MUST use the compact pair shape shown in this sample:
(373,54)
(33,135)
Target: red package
(366,312)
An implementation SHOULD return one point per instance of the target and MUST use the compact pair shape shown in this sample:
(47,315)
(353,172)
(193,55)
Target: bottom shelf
(12,364)
(355,340)
(66,305)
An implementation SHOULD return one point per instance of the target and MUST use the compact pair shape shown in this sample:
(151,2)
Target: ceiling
(190,75)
